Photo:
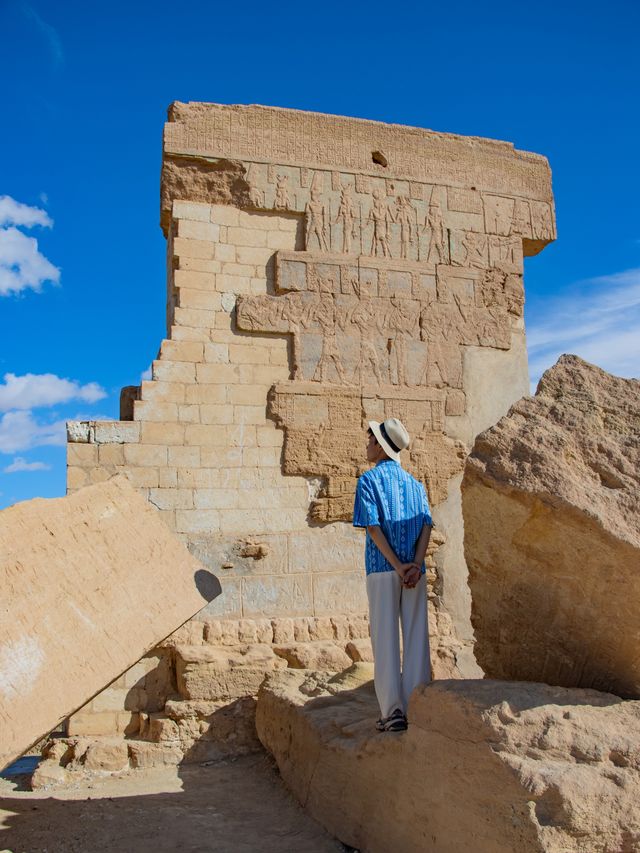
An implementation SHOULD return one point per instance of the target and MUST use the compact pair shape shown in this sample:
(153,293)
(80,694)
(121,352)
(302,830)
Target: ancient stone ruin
(321,271)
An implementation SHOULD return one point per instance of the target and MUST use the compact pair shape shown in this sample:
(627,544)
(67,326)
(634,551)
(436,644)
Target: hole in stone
(379,158)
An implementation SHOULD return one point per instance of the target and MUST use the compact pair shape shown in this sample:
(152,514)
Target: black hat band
(385,435)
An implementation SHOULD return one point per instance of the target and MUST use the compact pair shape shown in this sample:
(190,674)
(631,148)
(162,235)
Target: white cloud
(21,464)
(14,212)
(146,375)
(45,389)
(598,320)
(22,264)
(21,431)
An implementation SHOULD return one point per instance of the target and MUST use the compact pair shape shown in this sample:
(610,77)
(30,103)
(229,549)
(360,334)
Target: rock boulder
(487,766)
(88,584)
(551,500)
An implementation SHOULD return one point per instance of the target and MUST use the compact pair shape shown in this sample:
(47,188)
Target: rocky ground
(234,805)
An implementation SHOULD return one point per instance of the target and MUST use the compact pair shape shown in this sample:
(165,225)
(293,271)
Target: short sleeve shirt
(391,498)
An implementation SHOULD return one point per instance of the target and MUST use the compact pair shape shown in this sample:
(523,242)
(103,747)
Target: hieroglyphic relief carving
(324,437)
(347,216)
(282,199)
(380,216)
(434,227)
(405,217)
(541,220)
(392,326)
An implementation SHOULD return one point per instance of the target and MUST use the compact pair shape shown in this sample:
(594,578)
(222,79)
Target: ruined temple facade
(321,272)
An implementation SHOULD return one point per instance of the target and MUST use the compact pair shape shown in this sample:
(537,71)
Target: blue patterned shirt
(390,497)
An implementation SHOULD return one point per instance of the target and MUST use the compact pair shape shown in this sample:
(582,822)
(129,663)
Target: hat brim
(374,426)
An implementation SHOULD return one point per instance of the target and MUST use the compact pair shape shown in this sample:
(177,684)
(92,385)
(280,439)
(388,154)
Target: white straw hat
(391,436)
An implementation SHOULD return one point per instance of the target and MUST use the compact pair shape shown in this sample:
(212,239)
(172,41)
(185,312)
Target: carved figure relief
(434,227)
(476,249)
(405,217)
(541,222)
(380,217)
(282,200)
(316,221)
(347,216)
(325,315)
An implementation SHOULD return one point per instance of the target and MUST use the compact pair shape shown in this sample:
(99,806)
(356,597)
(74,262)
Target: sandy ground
(233,806)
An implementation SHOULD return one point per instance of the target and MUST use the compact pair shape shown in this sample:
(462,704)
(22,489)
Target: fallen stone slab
(88,585)
(487,766)
(551,505)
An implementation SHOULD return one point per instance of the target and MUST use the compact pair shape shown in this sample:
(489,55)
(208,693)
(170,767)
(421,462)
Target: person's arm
(380,541)
(412,577)
(422,544)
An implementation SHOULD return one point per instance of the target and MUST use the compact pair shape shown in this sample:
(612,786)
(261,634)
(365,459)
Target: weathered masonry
(321,271)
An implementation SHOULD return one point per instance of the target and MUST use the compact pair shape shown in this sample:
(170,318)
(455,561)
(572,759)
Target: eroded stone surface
(74,573)
(321,271)
(511,766)
(551,501)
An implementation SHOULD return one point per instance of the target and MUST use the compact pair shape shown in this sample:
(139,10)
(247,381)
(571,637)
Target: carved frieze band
(363,215)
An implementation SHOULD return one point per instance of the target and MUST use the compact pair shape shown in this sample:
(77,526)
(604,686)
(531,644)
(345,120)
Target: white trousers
(388,602)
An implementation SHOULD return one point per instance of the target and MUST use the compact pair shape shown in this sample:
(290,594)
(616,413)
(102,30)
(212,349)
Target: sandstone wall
(322,271)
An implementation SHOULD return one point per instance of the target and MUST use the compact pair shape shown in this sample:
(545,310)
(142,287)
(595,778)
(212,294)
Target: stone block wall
(320,272)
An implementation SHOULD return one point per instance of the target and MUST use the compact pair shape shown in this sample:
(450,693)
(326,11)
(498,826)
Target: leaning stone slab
(88,585)
(551,504)
(486,766)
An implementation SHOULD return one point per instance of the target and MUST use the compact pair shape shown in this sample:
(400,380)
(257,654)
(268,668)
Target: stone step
(223,673)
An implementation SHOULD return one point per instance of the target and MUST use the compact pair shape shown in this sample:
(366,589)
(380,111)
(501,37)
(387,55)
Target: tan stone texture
(510,766)
(551,500)
(75,573)
(321,271)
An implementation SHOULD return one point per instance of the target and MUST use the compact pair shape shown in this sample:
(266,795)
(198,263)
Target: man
(393,507)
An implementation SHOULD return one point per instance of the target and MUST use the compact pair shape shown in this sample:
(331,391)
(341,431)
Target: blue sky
(86,87)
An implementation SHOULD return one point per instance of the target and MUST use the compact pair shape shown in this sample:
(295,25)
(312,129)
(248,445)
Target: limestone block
(78,431)
(84,455)
(107,755)
(74,573)
(514,766)
(116,432)
(318,655)
(50,774)
(144,754)
(192,210)
(335,547)
(265,596)
(345,591)
(198,230)
(215,673)
(551,500)
(360,650)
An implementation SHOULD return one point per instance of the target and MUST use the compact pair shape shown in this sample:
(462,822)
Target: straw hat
(391,436)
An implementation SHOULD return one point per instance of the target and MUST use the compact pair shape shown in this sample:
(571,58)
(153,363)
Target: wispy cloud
(14,212)
(21,464)
(21,431)
(22,265)
(598,319)
(146,375)
(33,390)
(50,33)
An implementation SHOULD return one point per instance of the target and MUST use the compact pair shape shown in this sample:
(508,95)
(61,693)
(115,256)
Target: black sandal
(395,722)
